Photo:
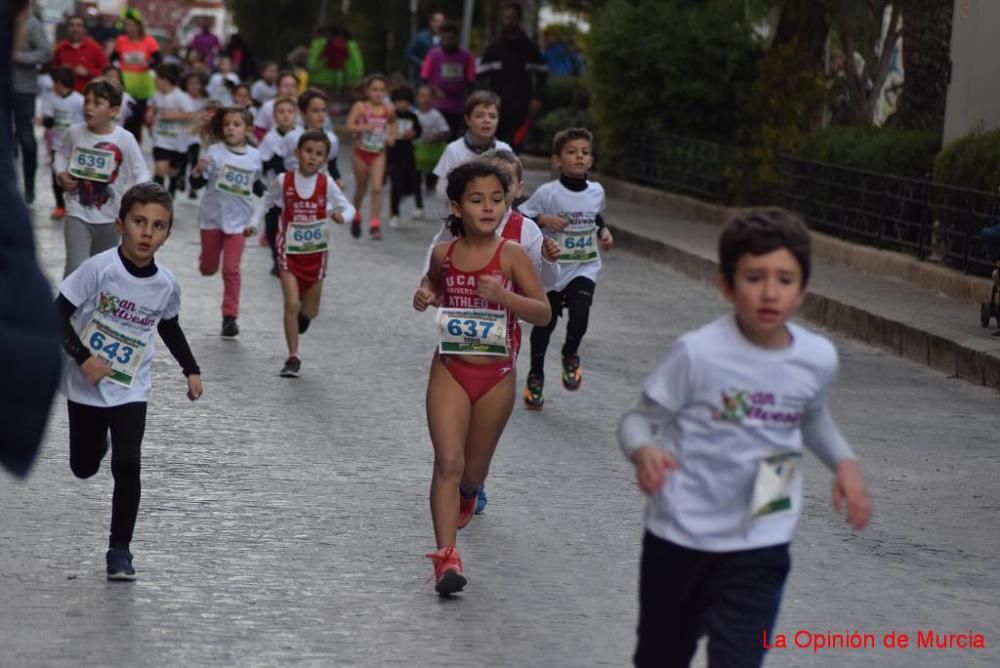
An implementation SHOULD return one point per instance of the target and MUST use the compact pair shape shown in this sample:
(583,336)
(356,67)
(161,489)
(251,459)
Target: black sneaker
(572,375)
(119,564)
(533,399)
(292,368)
(356,225)
(304,323)
(229,328)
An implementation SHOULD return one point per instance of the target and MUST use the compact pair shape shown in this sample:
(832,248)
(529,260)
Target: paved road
(284,522)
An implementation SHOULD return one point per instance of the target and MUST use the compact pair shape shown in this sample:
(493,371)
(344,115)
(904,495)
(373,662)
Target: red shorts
(476,379)
(368,157)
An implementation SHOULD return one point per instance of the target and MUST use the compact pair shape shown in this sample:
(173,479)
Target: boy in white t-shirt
(482,115)
(716,438)
(221,83)
(570,210)
(97,162)
(60,111)
(112,308)
(174,111)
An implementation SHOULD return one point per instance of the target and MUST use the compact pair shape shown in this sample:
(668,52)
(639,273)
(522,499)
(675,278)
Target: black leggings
(396,191)
(136,119)
(271,220)
(88,443)
(577,298)
(56,188)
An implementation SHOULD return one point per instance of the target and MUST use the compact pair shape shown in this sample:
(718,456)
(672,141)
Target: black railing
(676,163)
(922,217)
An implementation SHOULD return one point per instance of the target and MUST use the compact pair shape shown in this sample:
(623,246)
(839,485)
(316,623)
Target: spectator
(327,55)
(26,325)
(512,67)
(244,63)
(80,53)
(35,51)
(452,71)
(561,58)
(421,44)
(205,43)
(105,31)
(136,55)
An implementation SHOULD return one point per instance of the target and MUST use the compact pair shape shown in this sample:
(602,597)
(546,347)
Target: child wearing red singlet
(373,123)
(470,393)
(307,200)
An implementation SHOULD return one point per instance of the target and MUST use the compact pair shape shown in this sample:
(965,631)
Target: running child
(111,308)
(242,99)
(97,162)
(232,171)
(60,111)
(113,74)
(266,87)
(273,153)
(193,85)
(307,199)
(431,143)
(313,107)
(472,383)
(222,82)
(716,440)
(173,113)
(403,177)
(569,209)
(373,123)
(288,87)
(482,115)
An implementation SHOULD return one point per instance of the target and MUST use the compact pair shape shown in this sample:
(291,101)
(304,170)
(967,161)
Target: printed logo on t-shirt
(740,406)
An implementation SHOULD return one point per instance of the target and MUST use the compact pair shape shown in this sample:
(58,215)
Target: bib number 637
(114,350)
(477,329)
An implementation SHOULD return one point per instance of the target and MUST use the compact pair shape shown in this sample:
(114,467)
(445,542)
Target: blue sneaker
(482,500)
(120,564)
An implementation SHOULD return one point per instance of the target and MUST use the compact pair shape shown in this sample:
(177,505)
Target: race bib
(235,181)
(373,142)
(451,71)
(60,119)
(403,126)
(302,238)
(772,490)
(119,351)
(472,331)
(168,128)
(578,245)
(92,164)
(135,58)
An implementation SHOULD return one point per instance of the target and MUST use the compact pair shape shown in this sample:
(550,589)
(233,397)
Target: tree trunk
(926,58)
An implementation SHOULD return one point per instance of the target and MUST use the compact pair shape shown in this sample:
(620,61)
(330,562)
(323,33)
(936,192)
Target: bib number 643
(114,350)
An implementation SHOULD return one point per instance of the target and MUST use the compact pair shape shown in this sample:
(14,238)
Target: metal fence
(676,163)
(922,217)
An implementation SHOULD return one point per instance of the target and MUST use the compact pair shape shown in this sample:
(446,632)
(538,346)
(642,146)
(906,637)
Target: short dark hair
(317,136)
(505,157)
(564,137)
(73,17)
(64,76)
(448,26)
(241,85)
(516,6)
(169,73)
(460,177)
(194,75)
(104,89)
(310,94)
(759,231)
(402,93)
(481,97)
(146,193)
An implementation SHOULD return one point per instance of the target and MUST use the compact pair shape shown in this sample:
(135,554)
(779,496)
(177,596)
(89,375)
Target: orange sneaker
(448,570)
(466,510)
(58,213)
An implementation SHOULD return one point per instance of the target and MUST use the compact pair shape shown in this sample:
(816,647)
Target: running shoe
(292,368)
(375,229)
(533,399)
(482,500)
(120,564)
(229,328)
(572,375)
(304,323)
(356,225)
(58,213)
(193,194)
(466,509)
(393,221)
(418,214)
(448,571)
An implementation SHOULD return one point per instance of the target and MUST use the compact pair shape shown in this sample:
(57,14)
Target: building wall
(974,91)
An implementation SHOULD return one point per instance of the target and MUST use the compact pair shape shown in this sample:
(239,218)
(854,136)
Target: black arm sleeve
(71,340)
(155,60)
(259,188)
(198,181)
(48,122)
(172,335)
(275,165)
(600,222)
(333,169)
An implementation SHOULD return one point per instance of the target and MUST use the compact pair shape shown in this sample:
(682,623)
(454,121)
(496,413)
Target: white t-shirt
(580,209)
(456,153)
(229,201)
(431,123)
(95,201)
(292,143)
(172,135)
(217,89)
(722,406)
(265,116)
(125,110)
(65,112)
(261,91)
(336,201)
(197,104)
(117,316)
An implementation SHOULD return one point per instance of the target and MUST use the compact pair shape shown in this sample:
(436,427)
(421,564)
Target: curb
(903,340)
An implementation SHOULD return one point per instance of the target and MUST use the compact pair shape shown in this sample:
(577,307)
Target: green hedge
(908,153)
(971,162)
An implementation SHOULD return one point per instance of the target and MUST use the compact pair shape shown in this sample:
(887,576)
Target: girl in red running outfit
(482,284)
(373,123)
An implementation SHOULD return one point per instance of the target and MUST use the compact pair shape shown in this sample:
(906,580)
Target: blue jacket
(418,47)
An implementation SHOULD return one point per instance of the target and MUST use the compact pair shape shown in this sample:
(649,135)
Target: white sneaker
(393,221)
(418,214)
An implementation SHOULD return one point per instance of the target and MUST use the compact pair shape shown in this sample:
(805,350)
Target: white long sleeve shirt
(336,201)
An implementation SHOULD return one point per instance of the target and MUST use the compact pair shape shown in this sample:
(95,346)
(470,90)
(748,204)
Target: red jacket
(88,53)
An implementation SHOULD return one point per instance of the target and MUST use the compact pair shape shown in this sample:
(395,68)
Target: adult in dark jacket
(27,320)
(421,43)
(513,67)
(35,51)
